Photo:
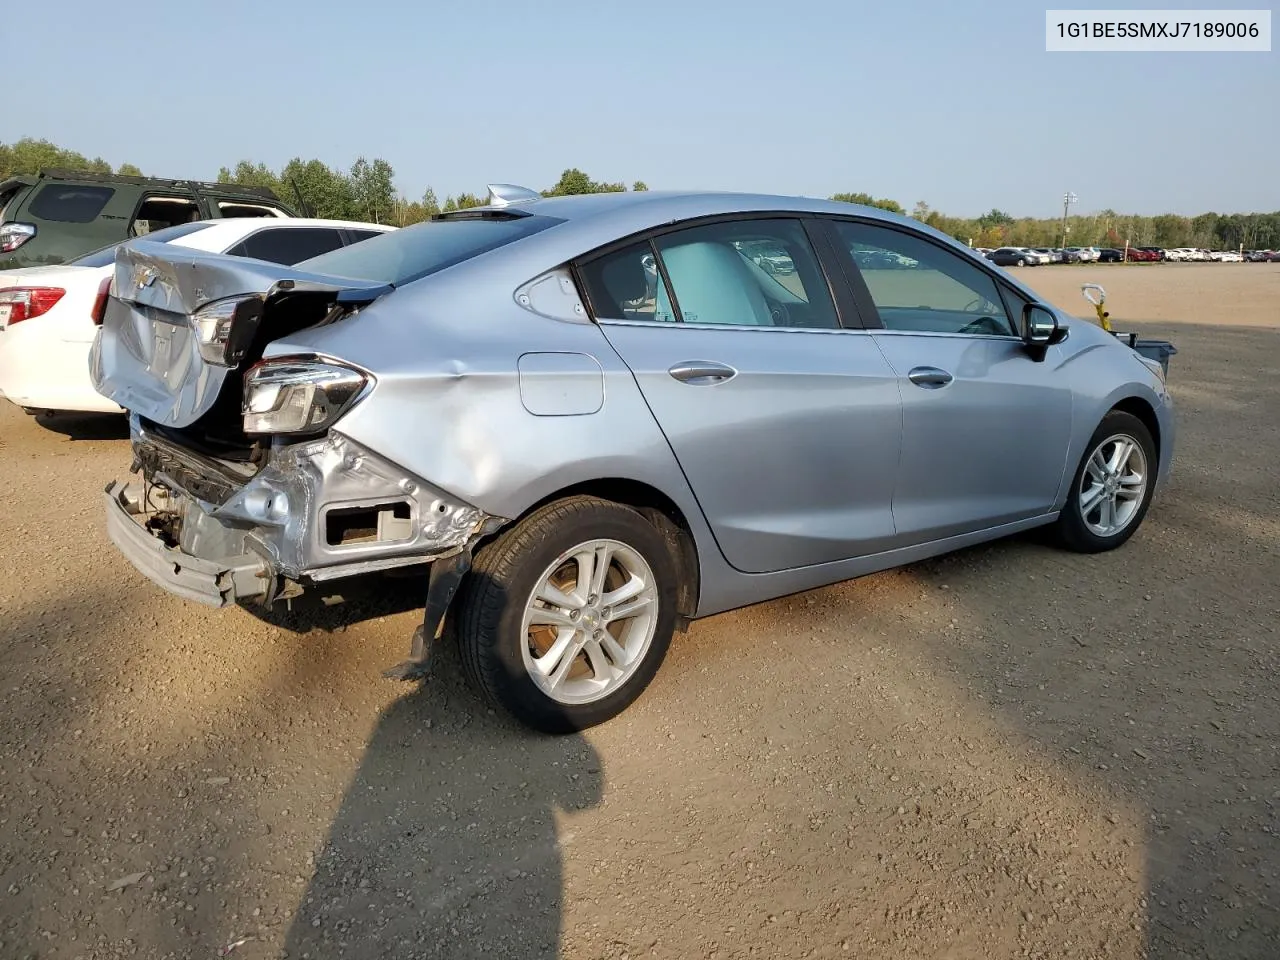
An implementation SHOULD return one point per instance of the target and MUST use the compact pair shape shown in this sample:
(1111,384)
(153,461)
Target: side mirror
(1040,330)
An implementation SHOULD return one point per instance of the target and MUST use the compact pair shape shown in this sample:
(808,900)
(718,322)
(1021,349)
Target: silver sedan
(598,418)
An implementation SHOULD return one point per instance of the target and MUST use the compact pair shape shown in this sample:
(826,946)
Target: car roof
(589,220)
(681,204)
(224,232)
(17,180)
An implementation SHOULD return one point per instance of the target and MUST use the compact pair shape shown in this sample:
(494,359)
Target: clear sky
(954,102)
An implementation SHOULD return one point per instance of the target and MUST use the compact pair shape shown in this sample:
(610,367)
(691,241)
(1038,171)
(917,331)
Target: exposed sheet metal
(146,357)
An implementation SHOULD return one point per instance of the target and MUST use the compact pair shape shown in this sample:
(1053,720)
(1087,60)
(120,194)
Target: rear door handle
(699,372)
(929,377)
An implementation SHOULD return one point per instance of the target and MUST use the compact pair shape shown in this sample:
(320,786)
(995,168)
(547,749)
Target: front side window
(928,288)
(70,203)
(753,273)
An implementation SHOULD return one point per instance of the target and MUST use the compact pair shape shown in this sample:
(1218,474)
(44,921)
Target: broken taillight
(99,311)
(23,303)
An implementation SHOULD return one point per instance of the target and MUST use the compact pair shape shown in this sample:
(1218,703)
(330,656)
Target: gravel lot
(1006,752)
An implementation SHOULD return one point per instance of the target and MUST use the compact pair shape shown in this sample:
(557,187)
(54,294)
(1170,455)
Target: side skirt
(726,589)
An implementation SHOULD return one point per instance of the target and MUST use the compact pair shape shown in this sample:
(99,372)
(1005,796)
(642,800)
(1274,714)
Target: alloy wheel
(1113,485)
(589,621)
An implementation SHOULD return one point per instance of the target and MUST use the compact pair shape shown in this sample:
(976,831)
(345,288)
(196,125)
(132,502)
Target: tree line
(366,191)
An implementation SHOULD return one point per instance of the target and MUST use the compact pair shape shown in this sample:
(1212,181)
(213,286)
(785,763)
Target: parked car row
(50,314)
(1037,256)
(57,215)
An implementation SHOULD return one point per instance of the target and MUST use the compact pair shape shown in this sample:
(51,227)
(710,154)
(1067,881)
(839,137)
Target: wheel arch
(660,510)
(1144,411)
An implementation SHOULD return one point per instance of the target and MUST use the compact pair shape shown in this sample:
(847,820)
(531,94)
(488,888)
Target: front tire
(567,616)
(1112,487)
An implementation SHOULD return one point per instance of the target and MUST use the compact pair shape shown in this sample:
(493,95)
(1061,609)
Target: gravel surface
(1006,752)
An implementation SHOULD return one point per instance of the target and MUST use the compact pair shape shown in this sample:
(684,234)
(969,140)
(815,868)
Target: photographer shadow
(446,843)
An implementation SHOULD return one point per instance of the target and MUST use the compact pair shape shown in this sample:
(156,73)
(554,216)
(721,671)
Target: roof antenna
(306,210)
(502,194)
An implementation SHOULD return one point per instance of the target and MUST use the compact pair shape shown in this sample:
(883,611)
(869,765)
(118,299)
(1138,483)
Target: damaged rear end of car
(242,489)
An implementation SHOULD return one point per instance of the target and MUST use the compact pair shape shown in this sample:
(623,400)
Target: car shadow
(1166,693)
(447,843)
(85,426)
(336,606)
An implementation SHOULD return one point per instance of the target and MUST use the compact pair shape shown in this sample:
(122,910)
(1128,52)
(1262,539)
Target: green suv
(58,215)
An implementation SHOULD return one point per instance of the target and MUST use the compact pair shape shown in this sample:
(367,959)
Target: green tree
(326,191)
(639,186)
(430,205)
(128,170)
(867,200)
(375,193)
(463,201)
(994,218)
(1171,230)
(574,181)
(249,174)
(1204,230)
(29,155)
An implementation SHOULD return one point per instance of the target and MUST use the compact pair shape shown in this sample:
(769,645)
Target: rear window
(100,258)
(411,253)
(69,203)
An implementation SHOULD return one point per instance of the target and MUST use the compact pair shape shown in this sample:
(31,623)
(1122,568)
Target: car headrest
(624,278)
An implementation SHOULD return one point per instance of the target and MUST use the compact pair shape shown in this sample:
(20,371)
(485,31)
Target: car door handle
(929,377)
(698,372)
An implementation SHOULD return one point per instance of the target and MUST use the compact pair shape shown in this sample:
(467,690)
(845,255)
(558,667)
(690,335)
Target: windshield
(408,254)
(107,255)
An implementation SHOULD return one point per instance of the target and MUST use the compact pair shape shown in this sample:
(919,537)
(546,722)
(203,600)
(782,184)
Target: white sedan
(47,314)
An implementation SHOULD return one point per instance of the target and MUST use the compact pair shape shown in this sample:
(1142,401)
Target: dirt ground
(1007,752)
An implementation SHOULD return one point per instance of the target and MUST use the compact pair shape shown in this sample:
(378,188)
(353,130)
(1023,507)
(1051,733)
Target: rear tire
(1111,488)
(537,589)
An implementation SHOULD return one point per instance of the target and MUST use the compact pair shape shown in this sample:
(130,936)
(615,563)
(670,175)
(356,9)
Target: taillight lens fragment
(99,311)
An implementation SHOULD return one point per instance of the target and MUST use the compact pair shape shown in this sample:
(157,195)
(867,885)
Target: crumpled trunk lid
(146,357)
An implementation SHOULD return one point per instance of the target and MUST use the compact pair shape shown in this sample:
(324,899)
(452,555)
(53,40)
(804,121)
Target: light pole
(1068,198)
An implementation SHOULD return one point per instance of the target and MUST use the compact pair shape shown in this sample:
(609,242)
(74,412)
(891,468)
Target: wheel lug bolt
(574,614)
(599,634)
(592,599)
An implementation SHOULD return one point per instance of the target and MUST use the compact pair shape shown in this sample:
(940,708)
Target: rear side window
(69,203)
(100,258)
(288,246)
(411,253)
(358,235)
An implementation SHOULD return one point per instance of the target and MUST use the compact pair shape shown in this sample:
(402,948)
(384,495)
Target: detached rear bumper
(215,582)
